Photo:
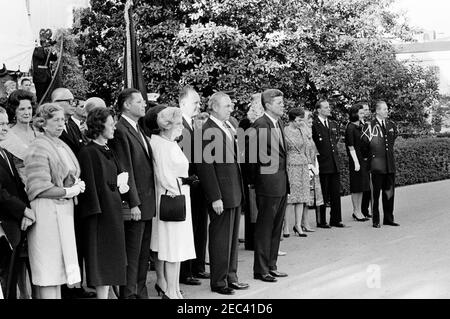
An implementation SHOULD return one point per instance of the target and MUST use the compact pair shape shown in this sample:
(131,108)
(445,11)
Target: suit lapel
(187,126)
(133,132)
(213,124)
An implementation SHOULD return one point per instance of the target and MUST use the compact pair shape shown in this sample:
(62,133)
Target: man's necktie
(326,124)
(383,126)
(5,157)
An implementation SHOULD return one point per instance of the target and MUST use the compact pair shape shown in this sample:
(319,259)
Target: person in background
(25,84)
(191,270)
(316,197)
(366,197)
(173,242)
(92,103)
(73,136)
(102,223)
(52,173)
(134,154)
(359,176)
(15,216)
(378,146)
(22,132)
(325,134)
(298,172)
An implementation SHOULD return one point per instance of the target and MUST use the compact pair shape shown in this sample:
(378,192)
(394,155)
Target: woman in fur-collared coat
(52,174)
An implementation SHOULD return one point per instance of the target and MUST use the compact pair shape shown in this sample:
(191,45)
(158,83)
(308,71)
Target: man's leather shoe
(339,225)
(276,273)
(266,277)
(238,285)
(323,226)
(202,275)
(391,224)
(191,281)
(376,226)
(223,290)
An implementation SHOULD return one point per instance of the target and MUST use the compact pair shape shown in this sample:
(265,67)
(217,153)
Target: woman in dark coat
(359,176)
(103,230)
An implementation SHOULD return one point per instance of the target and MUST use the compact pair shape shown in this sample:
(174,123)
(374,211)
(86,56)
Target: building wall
(439,59)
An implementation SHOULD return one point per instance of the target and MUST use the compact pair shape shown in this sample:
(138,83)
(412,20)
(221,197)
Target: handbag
(172,208)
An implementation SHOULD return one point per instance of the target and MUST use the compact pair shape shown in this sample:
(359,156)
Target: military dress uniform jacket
(326,140)
(378,146)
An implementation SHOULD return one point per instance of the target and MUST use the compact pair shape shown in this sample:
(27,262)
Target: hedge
(418,160)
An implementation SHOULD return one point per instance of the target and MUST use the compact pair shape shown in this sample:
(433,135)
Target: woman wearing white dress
(173,242)
(52,174)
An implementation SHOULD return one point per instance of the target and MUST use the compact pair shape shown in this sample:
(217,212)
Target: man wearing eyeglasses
(75,139)
(75,116)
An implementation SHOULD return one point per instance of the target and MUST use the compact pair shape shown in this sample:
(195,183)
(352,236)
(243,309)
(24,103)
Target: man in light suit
(269,178)
(135,156)
(221,179)
(378,146)
(190,270)
(15,215)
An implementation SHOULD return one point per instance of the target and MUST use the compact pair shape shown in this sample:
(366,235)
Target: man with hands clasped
(221,179)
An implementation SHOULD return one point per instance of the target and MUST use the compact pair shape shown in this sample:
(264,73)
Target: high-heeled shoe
(308,229)
(286,235)
(296,231)
(159,290)
(360,219)
(164,296)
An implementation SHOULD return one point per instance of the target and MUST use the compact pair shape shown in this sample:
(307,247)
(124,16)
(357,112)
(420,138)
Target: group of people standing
(81,189)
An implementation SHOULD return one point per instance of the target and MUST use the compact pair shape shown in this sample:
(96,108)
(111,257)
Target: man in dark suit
(15,215)
(189,102)
(268,175)
(378,145)
(75,117)
(325,133)
(75,139)
(135,156)
(367,195)
(221,179)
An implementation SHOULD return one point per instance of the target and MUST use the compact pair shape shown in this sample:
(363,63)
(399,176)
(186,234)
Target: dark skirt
(359,181)
(104,250)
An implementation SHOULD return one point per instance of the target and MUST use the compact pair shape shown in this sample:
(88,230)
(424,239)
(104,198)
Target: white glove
(122,179)
(82,185)
(122,183)
(124,189)
(72,191)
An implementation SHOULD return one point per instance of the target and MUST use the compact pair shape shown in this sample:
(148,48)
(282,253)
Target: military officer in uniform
(325,133)
(378,144)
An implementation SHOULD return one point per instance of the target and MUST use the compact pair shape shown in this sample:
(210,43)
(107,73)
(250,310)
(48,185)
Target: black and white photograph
(231,151)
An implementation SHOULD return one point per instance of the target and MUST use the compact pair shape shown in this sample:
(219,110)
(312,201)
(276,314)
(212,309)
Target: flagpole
(129,72)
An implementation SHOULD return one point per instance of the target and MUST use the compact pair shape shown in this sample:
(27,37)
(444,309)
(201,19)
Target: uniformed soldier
(378,144)
(325,134)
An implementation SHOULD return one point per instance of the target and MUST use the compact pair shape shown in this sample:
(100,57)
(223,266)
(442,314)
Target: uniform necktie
(326,124)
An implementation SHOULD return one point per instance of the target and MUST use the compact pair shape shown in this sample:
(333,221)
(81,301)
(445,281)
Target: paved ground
(410,261)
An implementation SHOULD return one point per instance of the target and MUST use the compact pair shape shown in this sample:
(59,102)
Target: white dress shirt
(135,126)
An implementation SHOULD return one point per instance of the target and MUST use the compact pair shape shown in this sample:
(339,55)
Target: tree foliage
(308,49)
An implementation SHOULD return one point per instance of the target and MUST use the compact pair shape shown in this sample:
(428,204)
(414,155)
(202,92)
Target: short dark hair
(379,103)
(319,103)
(24,79)
(296,112)
(268,95)
(96,120)
(14,101)
(184,92)
(124,96)
(353,112)
(149,121)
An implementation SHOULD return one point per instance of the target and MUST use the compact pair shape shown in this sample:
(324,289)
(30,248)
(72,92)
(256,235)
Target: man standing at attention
(325,133)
